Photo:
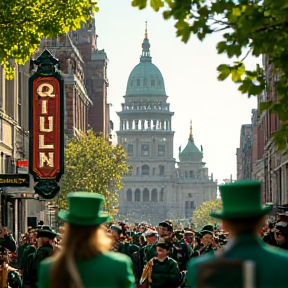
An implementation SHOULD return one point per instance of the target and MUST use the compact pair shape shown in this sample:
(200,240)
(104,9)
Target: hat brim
(204,232)
(67,217)
(46,233)
(241,214)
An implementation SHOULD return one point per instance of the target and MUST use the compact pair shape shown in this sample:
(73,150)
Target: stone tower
(194,185)
(147,136)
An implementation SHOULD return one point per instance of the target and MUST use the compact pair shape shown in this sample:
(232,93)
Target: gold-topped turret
(146,31)
(191,135)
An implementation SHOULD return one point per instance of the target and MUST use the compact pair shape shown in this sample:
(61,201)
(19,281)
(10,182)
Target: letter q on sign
(45,90)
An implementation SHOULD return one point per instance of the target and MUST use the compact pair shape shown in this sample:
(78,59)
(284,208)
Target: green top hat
(84,209)
(241,199)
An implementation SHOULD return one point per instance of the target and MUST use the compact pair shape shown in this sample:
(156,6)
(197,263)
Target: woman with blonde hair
(85,259)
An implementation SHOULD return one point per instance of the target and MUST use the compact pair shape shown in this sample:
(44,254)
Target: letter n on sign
(46,126)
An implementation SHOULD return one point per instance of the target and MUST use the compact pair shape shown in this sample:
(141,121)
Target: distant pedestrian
(243,216)
(85,260)
(161,271)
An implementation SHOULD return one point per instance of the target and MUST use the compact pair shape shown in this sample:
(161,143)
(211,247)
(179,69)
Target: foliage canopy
(201,215)
(92,165)
(256,27)
(24,23)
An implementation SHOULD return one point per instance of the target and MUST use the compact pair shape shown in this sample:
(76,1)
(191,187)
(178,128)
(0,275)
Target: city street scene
(143,144)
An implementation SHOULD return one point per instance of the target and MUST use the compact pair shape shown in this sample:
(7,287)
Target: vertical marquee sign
(46,126)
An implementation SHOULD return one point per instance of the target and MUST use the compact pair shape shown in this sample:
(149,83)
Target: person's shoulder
(196,261)
(276,253)
(46,263)
(116,256)
(170,259)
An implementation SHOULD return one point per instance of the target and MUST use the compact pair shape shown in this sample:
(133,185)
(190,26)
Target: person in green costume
(45,237)
(243,216)
(165,272)
(85,259)
(29,249)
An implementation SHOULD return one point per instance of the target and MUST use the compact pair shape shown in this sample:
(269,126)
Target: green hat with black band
(84,209)
(241,199)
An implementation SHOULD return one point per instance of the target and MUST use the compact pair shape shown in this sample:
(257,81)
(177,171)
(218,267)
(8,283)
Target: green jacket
(34,260)
(108,270)
(165,274)
(271,263)
(20,251)
(128,248)
(23,262)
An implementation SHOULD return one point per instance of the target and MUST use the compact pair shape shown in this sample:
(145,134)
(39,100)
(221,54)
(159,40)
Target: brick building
(269,164)
(83,67)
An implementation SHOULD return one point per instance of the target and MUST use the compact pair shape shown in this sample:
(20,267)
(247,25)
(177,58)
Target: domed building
(155,189)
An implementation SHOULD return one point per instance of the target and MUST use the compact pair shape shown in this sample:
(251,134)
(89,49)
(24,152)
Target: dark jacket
(271,263)
(8,242)
(165,274)
(33,263)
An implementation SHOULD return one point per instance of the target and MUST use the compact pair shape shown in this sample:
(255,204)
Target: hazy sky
(217,109)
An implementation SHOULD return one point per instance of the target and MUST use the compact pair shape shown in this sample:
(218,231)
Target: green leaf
(224,72)
(141,4)
(265,106)
(156,4)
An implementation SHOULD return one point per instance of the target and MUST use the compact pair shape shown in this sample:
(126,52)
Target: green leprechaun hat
(241,199)
(84,209)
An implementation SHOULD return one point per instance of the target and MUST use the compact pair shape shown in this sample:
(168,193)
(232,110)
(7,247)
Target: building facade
(244,153)
(156,189)
(83,67)
(269,164)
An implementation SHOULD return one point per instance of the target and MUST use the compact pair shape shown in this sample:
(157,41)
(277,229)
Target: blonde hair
(79,243)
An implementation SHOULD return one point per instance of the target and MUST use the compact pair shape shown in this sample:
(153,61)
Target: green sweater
(165,274)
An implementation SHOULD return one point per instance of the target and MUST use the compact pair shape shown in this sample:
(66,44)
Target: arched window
(129,195)
(146,195)
(161,197)
(137,195)
(154,195)
(145,170)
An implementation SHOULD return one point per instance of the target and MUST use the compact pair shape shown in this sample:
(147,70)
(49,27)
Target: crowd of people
(90,251)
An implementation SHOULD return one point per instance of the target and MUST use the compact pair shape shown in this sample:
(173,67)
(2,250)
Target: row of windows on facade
(144,170)
(153,83)
(145,124)
(146,107)
(189,205)
(145,150)
(145,195)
